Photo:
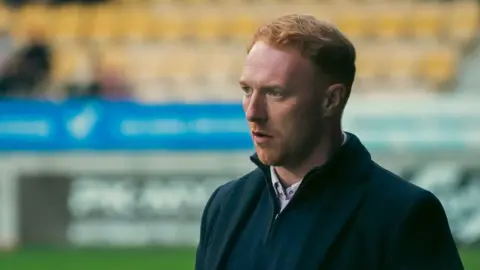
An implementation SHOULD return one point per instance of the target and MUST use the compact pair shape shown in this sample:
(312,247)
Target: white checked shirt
(284,195)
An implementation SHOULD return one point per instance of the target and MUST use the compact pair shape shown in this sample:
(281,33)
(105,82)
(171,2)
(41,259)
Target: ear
(333,99)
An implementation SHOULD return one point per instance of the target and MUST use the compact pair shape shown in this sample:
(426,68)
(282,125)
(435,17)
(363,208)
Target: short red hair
(319,41)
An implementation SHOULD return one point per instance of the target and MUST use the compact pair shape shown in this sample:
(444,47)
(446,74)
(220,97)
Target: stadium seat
(135,3)
(367,63)
(390,23)
(28,21)
(179,66)
(225,66)
(427,20)
(243,25)
(112,56)
(438,65)
(163,72)
(463,21)
(220,66)
(173,25)
(210,26)
(136,24)
(66,62)
(353,23)
(402,63)
(151,92)
(67,23)
(396,41)
(143,65)
(5,19)
(104,25)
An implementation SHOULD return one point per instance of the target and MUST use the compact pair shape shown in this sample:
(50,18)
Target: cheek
(299,123)
(288,125)
(244,103)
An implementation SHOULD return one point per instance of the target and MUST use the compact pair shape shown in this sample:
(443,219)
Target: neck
(290,175)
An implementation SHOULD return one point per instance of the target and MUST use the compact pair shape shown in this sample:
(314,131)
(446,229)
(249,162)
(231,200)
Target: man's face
(282,103)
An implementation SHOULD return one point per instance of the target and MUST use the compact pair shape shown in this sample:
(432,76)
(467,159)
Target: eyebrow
(243,82)
(265,87)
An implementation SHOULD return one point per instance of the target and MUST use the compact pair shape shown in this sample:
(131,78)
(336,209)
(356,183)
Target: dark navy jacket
(347,214)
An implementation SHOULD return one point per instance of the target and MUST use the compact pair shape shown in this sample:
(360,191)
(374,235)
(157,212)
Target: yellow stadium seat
(368,63)
(179,65)
(30,20)
(105,24)
(137,25)
(178,73)
(151,93)
(144,64)
(354,23)
(66,61)
(427,20)
(438,65)
(227,64)
(86,17)
(223,65)
(158,2)
(194,2)
(210,26)
(173,25)
(243,25)
(134,3)
(463,21)
(67,23)
(402,63)
(163,71)
(5,19)
(274,10)
(170,63)
(113,56)
(390,23)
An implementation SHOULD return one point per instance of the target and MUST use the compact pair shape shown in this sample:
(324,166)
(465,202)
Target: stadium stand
(194,48)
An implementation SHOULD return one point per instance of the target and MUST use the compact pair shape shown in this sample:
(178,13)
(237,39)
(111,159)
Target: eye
(275,92)
(247,90)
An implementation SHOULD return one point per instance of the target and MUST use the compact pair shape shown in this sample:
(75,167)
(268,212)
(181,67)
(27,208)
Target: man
(316,200)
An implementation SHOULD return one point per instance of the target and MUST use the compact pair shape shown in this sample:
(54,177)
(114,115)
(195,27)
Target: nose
(255,108)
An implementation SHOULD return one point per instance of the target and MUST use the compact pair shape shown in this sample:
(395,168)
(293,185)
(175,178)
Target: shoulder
(245,182)
(410,223)
(394,197)
(393,186)
(239,186)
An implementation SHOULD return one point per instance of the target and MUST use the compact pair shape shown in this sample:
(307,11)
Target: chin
(270,158)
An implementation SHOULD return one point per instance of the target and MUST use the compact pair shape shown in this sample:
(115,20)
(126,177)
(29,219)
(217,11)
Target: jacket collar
(343,164)
(333,207)
(338,187)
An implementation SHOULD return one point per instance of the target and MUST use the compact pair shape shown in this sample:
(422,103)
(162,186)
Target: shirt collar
(277,185)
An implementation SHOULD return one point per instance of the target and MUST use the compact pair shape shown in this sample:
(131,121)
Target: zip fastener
(272,226)
(276,208)
(302,186)
(277,216)
(274,220)
(288,206)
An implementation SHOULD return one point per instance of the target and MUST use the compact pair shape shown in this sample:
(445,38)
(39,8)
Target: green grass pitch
(140,259)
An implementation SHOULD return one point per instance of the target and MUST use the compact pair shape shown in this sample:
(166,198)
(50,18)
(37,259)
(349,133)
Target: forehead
(266,64)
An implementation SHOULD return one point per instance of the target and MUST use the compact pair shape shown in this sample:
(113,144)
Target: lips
(261,134)
(261,137)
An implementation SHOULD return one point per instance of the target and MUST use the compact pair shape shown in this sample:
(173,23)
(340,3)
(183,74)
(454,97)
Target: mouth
(261,134)
(261,137)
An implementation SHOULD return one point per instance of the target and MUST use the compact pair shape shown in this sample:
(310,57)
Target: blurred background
(118,118)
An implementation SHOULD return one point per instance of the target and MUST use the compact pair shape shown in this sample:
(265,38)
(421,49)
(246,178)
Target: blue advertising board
(126,126)
(99,125)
